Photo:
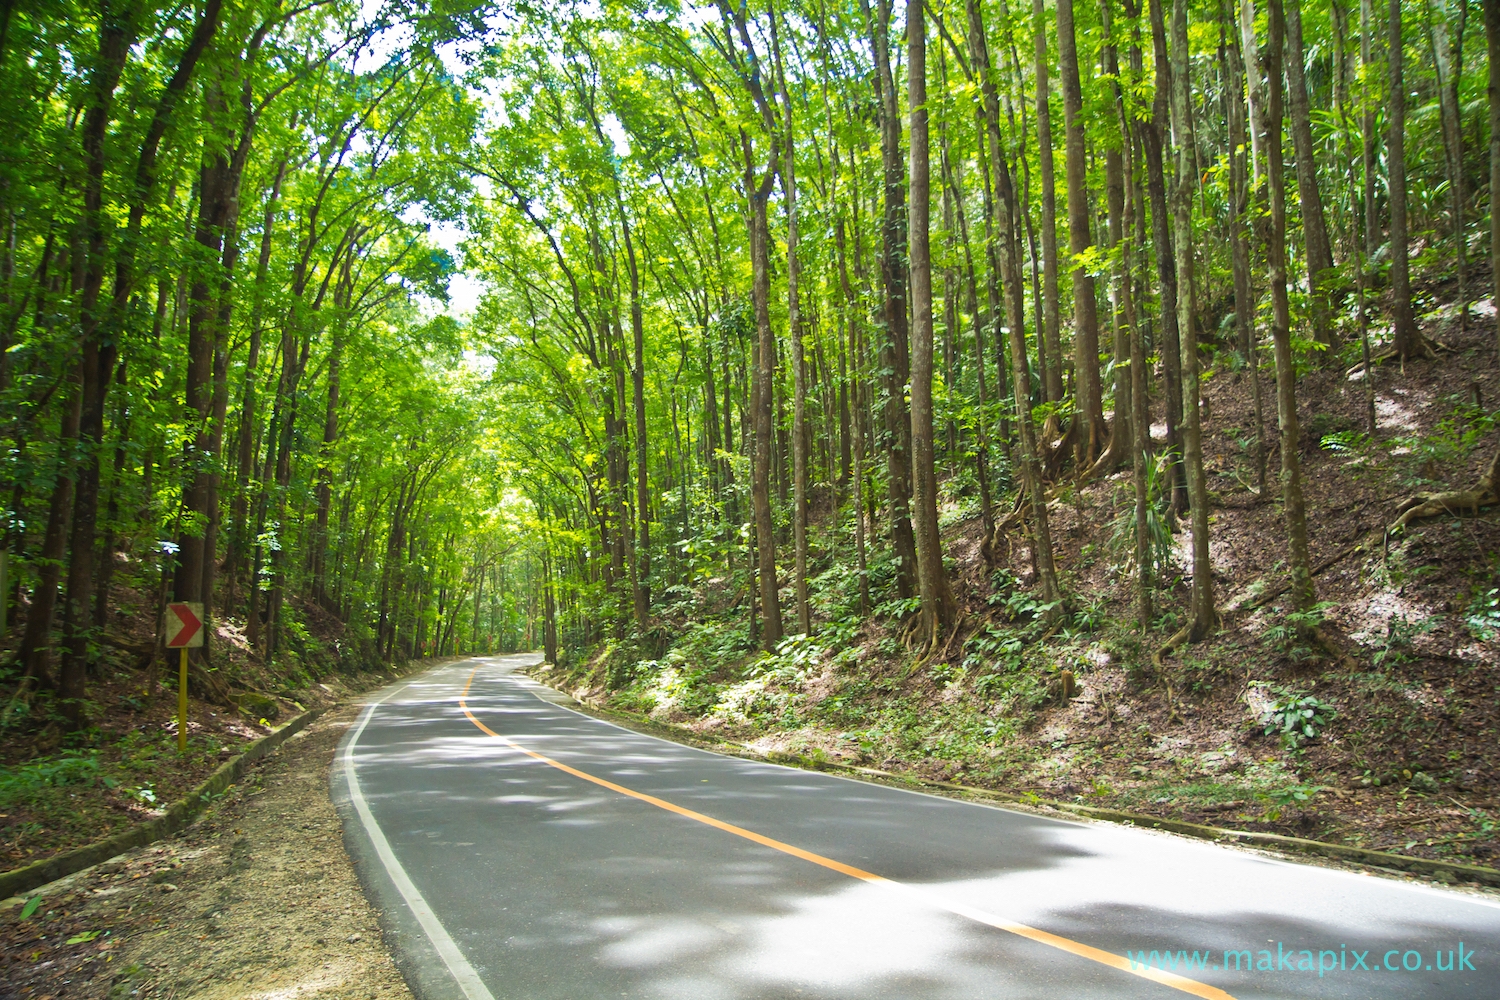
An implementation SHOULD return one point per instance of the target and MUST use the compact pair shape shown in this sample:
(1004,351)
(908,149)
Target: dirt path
(258,900)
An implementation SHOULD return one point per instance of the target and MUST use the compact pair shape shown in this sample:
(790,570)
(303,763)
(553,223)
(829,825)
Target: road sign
(184,625)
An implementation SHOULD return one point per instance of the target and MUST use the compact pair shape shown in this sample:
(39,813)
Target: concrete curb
(1442,871)
(178,815)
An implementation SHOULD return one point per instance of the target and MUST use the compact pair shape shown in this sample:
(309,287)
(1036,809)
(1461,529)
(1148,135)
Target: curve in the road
(1078,948)
(607,872)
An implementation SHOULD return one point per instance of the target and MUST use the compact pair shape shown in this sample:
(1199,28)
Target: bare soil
(257,900)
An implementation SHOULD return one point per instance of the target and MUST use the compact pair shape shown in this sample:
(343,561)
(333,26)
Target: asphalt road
(523,851)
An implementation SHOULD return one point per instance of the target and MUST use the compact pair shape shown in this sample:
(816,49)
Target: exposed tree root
(1115,454)
(1056,456)
(1456,502)
(1427,348)
(1172,645)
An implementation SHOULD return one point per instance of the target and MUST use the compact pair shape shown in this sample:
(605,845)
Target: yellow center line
(1191,986)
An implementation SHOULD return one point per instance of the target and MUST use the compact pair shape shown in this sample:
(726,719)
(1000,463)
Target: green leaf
(32,905)
(84,938)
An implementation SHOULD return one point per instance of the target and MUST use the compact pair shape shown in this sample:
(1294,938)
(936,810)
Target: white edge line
(458,966)
(1241,849)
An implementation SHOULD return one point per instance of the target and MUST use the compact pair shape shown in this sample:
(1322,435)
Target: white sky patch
(617,135)
(697,17)
(464,290)
(478,363)
(385,45)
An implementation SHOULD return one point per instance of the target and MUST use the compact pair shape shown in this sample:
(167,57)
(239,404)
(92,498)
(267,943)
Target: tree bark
(765,375)
(1008,230)
(1153,133)
(1050,327)
(239,538)
(1314,222)
(1239,245)
(937,598)
(1408,341)
(1202,617)
(1298,560)
(1089,406)
(1448,57)
(894,356)
(799,354)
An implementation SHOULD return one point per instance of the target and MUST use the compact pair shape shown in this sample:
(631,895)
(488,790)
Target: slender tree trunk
(642,595)
(800,432)
(319,544)
(761,402)
(1050,327)
(1367,192)
(1239,243)
(1089,412)
(857,425)
(895,360)
(1166,260)
(1008,255)
(1120,435)
(1299,562)
(1140,413)
(937,598)
(239,518)
(36,641)
(954,179)
(1202,621)
(1448,57)
(1314,222)
(1408,340)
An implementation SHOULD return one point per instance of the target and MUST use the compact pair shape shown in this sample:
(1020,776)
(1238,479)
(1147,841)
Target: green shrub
(21,782)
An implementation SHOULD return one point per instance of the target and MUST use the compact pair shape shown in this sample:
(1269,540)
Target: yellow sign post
(184,630)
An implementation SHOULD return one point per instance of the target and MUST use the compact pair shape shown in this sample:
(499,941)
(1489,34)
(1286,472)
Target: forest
(1094,399)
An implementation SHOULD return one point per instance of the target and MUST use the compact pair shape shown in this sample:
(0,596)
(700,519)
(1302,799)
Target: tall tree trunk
(1089,405)
(36,641)
(937,598)
(239,538)
(95,360)
(1367,197)
(761,402)
(857,425)
(1119,291)
(1408,340)
(319,541)
(1239,245)
(1202,617)
(642,595)
(1140,414)
(794,334)
(954,180)
(1299,562)
(1050,327)
(1448,56)
(895,360)
(1314,223)
(1170,347)
(1008,231)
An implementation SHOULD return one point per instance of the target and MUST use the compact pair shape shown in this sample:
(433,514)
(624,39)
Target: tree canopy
(762,294)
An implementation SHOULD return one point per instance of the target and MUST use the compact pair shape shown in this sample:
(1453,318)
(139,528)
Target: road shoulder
(258,899)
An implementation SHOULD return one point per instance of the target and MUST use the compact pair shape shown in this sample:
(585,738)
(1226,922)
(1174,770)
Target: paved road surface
(523,851)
